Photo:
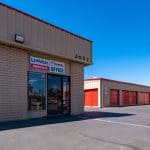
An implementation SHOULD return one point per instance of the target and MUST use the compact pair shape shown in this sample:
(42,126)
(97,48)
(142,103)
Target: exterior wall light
(19,38)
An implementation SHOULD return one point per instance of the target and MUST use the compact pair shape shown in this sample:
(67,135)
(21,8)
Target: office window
(36,91)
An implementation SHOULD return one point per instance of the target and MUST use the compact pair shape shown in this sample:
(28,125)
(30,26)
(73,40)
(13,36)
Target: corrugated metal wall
(43,37)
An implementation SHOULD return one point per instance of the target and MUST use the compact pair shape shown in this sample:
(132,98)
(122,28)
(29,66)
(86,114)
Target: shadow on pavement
(59,119)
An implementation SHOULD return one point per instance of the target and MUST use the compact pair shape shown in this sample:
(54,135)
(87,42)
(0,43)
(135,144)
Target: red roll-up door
(132,98)
(114,98)
(91,97)
(125,98)
(149,98)
(141,98)
(144,98)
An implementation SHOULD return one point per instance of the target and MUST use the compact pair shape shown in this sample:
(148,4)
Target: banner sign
(39,63)
(57,67)
(47,65)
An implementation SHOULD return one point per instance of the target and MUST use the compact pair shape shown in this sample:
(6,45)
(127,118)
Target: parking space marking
(123,123)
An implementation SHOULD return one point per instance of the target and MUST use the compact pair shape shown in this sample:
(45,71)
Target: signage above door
(47,65)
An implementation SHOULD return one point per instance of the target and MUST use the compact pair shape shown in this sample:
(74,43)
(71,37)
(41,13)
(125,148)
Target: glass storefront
(52,91)
(54,94)
(36,91)
(58,94)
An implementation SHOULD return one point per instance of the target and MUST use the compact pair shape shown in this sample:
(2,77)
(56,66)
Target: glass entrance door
(58,94)
(54,94)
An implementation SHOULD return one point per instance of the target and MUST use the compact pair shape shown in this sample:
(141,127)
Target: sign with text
(57,67)
(47,65)
(39,63)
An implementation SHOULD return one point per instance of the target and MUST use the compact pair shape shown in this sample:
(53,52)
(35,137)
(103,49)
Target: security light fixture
(19,38)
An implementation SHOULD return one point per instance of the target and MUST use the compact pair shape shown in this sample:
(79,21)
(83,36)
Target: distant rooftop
(96,78)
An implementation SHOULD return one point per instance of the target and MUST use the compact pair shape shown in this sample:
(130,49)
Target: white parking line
(123,123)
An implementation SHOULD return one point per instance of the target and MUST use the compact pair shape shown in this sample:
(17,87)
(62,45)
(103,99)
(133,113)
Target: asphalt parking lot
(123,128)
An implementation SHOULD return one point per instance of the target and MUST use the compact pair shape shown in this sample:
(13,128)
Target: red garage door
(114,98)
(125,98)
(129,98)
(141,98)
(144,98)
(132,98)
(91,97)
(149,98)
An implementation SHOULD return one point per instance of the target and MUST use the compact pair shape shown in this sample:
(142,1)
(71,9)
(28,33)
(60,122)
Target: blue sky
(119,29)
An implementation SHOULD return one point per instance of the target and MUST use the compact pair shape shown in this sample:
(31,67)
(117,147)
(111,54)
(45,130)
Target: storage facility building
(41,67)
(100,92)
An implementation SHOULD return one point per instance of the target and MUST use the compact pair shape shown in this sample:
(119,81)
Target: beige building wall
(93,84)
(14,67)
(105,85)
(108,84)
(42,40)
(42,36)
(77,88)
(13,84)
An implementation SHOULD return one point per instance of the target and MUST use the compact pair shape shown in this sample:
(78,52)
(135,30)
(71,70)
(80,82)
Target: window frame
(44,105)
(62,80)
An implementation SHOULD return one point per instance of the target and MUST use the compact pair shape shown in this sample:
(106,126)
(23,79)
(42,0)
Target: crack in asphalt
(111,142)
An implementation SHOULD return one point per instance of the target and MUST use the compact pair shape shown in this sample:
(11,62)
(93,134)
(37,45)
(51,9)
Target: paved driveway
(124,128)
